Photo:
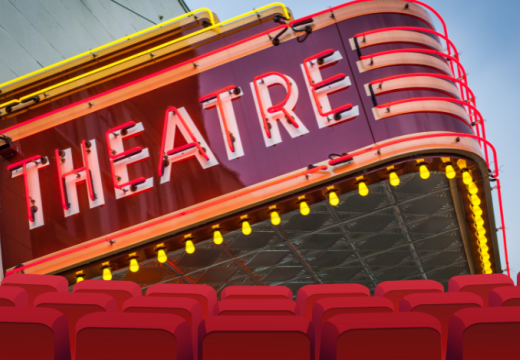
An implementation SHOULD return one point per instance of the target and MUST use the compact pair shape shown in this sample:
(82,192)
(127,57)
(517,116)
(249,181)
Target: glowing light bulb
(275,217)
(394,179)
(424,172)
(475,200)
(478,220)
(472,188)
(134,265)
(80,278)
(488,271)
(481,231)
(483,249)
(486,264)
(450,172)
(246,228)
(363,188)
(333,198)
(107,274)
(482,241)
(477,211)
(304,208)
(466,177)
(190,248)
(485,257)
(161,255)
(217,237)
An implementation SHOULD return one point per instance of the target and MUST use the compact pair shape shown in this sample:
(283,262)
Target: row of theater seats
(478,318)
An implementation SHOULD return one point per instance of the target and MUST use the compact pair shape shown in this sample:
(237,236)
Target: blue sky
(487,37)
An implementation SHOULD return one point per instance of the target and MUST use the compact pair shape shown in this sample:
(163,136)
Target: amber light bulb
(134,265)
(472,188)
(450,172)
(466,177)
(107,273)
(394,179)
(190,248)
(333,198)
(80,278)
(304,208)
(161,255)
(275,217)
(246,227)
(217,237)
(363,188)
(424,172)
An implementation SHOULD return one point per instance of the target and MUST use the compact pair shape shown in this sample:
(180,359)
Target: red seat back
(133,337)
(441,306)
(396,290)
(119,290)
(484,334)
(256,292)
(403,336)
(188,309)
(324,309)
(309,294)
(204,294)
(13,296)
(504,296)
(29,333)
(37,284)
(479,284)
(256,338)
(74,306)
(256,307)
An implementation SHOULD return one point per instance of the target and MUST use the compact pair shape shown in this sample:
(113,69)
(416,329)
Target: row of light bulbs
(305,210)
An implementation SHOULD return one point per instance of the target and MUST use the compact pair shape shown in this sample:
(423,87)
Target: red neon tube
(216,95)
(169,218)
(126,153)
(129,183)
(322,83)
(23,164)
(194,142)
(274,108)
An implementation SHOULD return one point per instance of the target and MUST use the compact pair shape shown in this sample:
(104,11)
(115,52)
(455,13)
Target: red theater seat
(204,294)
(256,338)
(256,307)
(133,337)
(403,336)
(74,306)
(441,306)
(13,296)
(484,334)
(324,309)
(309,294)
(479,284)
(504,296)
(37,284)
(188,309)
(256,292)
(29,334)
(396,290)
(119,290)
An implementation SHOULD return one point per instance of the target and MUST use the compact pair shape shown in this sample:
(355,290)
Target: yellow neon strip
(90,52)
(212,27)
